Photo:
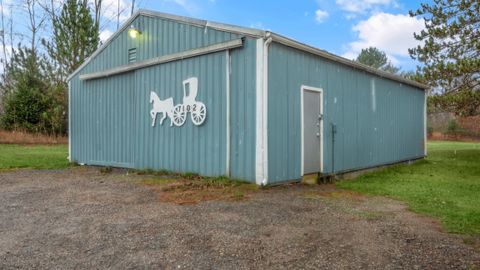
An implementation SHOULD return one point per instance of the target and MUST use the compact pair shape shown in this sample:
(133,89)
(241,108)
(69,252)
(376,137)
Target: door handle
(318,134)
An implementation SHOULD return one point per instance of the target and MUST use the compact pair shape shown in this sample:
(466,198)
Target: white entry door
(312,128)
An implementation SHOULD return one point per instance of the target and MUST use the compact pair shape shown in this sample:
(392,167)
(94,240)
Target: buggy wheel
(199,114)
(179,115)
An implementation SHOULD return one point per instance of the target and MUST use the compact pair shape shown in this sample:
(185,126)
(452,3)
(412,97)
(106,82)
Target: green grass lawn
(33,156)
(446,185)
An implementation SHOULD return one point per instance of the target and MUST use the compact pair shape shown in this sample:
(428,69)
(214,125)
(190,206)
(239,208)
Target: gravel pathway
(81,219)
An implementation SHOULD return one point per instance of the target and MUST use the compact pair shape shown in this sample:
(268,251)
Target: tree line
(449,55)
(58,37)
(33,84)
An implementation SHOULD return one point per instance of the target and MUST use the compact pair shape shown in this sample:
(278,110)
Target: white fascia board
(245,31)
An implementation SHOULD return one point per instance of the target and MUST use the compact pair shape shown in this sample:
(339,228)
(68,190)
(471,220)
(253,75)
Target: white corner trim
(261,149)
(70,121)
(425,136)
(228,123)
(304,88)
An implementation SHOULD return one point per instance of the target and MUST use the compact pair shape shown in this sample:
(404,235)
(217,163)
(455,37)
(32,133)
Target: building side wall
(96,139)
(378,121)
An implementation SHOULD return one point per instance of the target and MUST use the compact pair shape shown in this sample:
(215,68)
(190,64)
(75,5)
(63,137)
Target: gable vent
(132,55)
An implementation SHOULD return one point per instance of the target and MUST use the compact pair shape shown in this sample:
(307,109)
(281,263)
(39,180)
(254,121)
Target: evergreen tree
(24,91)
(376,58)
(450,52)
(75,37)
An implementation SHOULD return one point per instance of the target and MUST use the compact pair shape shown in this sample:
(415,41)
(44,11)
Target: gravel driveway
(80,218)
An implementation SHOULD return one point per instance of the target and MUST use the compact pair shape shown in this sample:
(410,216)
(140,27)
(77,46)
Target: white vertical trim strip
(321,132)
(304,88)
(265,109)
(70,121)
(302,132)
(259,136)
(425,136)
(227,87)
(261,140)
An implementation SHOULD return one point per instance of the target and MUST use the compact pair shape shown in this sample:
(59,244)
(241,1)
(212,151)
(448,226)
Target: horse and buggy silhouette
(178,113)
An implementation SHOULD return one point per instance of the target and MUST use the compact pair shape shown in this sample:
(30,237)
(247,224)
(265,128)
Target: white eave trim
(165,59)
(306,48)
(245,31)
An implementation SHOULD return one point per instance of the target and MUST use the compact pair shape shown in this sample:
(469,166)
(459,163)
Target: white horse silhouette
(161,106)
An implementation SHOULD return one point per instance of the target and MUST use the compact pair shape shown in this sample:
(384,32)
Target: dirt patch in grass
(192,189)
(445,185)
(330,191)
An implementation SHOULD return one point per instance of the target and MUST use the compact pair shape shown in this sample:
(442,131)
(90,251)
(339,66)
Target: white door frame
(304,88)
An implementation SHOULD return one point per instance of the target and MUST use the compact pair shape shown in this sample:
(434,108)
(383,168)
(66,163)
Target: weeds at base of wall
(106,170)
(191,188)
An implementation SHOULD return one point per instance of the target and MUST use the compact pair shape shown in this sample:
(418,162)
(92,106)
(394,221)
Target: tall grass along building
(187,95)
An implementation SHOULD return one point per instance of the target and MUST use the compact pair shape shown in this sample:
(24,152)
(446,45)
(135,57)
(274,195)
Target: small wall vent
(132,55)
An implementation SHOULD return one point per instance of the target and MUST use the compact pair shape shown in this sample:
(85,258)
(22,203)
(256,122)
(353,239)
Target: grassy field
(33,156)
(446,185)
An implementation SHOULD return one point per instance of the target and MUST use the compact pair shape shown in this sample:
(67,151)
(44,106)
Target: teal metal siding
(374,127)
(110,120)
(242,111)
(159,37)
(188,148)
(102,118)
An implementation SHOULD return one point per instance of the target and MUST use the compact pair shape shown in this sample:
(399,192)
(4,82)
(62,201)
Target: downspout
(266,44)
(334,131)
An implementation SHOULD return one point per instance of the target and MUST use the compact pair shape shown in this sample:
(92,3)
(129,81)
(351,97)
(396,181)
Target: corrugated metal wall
(159,37)
(111,123)
(378,121)
(102,121)
(242,111)
(188,148)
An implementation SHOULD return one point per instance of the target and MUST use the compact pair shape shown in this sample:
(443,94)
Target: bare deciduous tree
(97,6)
(2,34)
(35,21)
